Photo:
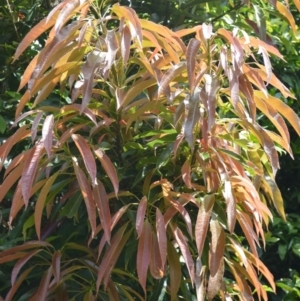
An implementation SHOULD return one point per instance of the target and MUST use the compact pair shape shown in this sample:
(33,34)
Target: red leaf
(156,266)
(87,156)
(191,56)
(20,263)
(143,254)
(140,215)
(203,221)
(109,168)
(186,173)
(44,284)
(111,255)
(215,282)
(101,199)
(161,236)
(87,195)
(184,248)
(29,171)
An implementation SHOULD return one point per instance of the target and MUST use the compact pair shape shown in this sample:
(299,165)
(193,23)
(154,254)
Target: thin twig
(13,19)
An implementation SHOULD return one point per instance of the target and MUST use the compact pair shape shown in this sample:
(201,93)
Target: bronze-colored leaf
(203,221)
(125,43)
(87,195)
(101,199)
(156,267)
(56,260)
(161,236)
(186,173)
(109,168)
(44,284)
(185,251)
(284,11)
(215,281)
(29,171)
(140,216)
(20,263)
(87,155)
(230,205)
(191,56)
(144,253)
(47,136)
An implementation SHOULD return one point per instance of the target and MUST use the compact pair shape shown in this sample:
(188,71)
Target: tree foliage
(153,150)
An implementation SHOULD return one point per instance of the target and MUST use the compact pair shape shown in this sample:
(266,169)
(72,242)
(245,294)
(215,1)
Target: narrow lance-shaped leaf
(125,44)
(44,284)
(112,255)
(287,14)
(143,254)
(203,221)
(87,195)
(47,136)
(87,156)
(161,236)
(20,263)
(215,282)
(191,56)
(230,205)
(102,203)
(56,259)
(156,267)
(29,171)
(140,215)
(109,168)
(185,251)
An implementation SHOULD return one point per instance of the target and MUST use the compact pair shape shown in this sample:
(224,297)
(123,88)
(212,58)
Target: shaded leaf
(161,236)
(175,270)
(47,136)
(140,216)
(44,284)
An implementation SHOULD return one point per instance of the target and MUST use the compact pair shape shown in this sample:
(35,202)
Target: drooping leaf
(29,171)
(202,222)
(191,53)
(185,251)
(87,195)
(140,216)
(156,266)
(230,205)
(284,11)
(43,287)
(161,236)
(101,199)
(144,253)
(56,261)
(109,168)
(47,136)
(87,155)
(215,281)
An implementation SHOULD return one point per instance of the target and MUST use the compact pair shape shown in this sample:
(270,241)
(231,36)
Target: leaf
(192,117)
(267,63)
(101,199)
(186,173)
(87,195)
(44,284)
(35,124)
(56,259)
(143,254)
(203,221)
(87,156)
(112,254)
(109,168)
(230,205)
(284,11)
(47,137)
(29,171)
(35,32)
(174,270)
(112,291)
(17,284)
(191,56)
(184,248)
(125,44)
(215,282)
(161,236)
(217,246)
(156,266)
(93,61)
(6,147)
(140,216)
(20,263)
(282,108)
(275,194)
